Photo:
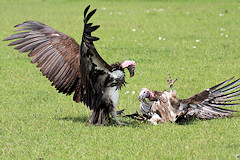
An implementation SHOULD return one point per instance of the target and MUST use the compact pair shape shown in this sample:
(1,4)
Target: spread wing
(207,104)
(69,66)
(55,53)
(95,72)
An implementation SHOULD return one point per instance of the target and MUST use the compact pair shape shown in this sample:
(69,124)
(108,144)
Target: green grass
(37,122)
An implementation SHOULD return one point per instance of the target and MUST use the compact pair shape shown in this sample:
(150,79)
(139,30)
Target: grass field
(196,41)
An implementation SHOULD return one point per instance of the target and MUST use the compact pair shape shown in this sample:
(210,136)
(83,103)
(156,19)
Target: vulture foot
(170,81)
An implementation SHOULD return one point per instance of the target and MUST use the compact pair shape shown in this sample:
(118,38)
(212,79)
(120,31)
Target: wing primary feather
(60,72)
(31,46)
(92,29)
(24,46)
(65,79)
(16,36)
(32,24)
(44,58)
(62,77)
(216,108)
(231,89)
(228,101)
(53,66)
(40,54)
(68,84)
(221,84)
(56,70)
(18,41)
(228,86)
(218,105)
(89,15)
(86,10)
(226,96)
(91,38)
(35,35)
(38,49)
(229,110)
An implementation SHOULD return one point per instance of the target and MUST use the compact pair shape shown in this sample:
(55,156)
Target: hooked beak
(131,70)
(143,96)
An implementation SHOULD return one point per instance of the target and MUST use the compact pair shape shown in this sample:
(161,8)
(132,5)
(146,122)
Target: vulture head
(145,93)
(130,65)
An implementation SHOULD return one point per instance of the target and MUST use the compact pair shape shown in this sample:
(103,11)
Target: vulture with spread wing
(162,107)
(74,68)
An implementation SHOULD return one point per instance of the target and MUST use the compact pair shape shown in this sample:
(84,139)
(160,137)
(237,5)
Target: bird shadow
(85,119)
(184,123)
(82,119)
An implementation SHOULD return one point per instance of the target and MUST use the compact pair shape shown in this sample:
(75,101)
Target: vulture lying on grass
(162,107)
(74,68)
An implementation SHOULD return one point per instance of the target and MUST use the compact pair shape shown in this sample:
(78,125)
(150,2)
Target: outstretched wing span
(69,66)
(57,54)
(207,104)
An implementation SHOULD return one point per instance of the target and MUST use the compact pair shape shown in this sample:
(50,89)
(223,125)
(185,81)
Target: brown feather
(45,57)
(40,54)
(38,49)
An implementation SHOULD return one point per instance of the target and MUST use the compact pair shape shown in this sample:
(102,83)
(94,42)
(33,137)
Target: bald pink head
(146,90)
(130,65)
(125,64)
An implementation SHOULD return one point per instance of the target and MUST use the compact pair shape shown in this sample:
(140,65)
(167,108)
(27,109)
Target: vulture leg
(118,122)
(171,82)
(103,116)
(94,117)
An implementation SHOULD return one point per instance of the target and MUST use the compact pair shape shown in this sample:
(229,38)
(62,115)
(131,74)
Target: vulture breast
(111,93)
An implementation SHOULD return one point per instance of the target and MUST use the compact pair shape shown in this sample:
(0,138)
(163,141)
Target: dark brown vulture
(162,107)
(74,68)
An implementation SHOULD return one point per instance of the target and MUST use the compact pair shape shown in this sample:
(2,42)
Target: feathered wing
(69,66)
(207,104)
(94,70)
(55,53)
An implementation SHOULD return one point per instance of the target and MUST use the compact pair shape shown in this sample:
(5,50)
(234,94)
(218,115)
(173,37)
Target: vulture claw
(121,112)
(170,81)
(120,124)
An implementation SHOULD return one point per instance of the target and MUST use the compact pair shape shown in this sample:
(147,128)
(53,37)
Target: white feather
(112,93)
(155,119)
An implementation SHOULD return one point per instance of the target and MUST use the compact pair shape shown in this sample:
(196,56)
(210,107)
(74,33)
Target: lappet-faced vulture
(73,68)
(162,107)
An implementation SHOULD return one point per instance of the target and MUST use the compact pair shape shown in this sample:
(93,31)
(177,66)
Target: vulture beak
(131,70)
(143,96)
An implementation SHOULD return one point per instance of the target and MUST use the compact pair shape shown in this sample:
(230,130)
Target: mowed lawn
(198,42)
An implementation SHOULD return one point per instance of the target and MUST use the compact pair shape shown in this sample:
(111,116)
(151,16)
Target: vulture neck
(117,66)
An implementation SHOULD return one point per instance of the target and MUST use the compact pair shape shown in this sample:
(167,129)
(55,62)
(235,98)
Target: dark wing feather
(207,104)
(94,70)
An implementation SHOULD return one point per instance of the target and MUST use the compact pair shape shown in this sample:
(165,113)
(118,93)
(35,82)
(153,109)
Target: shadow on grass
(84,119)
(191,122)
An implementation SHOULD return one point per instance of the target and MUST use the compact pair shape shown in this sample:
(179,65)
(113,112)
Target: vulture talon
(170,81)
